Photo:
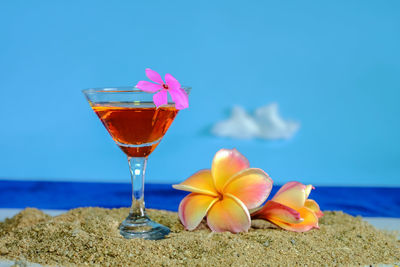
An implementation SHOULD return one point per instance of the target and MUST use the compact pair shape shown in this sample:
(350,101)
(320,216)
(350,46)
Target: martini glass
(137,127)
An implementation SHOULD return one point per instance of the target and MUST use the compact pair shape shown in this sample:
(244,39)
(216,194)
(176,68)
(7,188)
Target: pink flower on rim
(170,85)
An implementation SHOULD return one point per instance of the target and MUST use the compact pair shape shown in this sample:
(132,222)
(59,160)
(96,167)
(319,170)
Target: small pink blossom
(170,85)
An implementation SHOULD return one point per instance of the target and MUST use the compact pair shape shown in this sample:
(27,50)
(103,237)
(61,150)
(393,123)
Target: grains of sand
(90,236)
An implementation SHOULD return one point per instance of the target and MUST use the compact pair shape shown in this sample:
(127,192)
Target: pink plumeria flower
(224,194)
(291,209)
(171,85)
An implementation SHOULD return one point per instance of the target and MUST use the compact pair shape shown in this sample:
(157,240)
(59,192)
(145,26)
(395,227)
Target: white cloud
(266,123)
(239,125)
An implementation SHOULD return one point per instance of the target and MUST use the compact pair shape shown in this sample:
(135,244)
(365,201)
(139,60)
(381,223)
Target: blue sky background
(332,65)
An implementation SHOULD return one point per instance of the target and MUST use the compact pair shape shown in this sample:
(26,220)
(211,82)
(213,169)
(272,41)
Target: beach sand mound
(90,236)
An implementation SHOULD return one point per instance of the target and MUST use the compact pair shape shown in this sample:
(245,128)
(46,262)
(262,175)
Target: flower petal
(292,194)
(274,211)
(193,208)
(200,182)
(308,189)
(148,86)
(251,186)
(310,221)
(230,215)
(180,98)
(172,82)
(313,205)
(161,98)
(154,76)
(225,164)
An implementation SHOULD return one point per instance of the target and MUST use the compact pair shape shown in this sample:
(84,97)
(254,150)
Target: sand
(89,236)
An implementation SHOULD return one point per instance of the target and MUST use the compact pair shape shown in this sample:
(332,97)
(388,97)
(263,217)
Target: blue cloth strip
(364,201)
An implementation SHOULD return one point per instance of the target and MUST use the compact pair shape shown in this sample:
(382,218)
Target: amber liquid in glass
(136,127)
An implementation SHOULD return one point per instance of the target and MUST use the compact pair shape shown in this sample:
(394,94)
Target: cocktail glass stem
(137,167)
(137,224)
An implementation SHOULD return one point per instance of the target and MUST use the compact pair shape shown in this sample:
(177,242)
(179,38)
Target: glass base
(142,227)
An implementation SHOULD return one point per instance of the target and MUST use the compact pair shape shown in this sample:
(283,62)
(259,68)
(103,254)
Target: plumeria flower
(224,194)
(171,86)
(291,209)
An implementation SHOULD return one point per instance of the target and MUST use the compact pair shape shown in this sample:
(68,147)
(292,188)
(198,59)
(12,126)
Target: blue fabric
(364,201)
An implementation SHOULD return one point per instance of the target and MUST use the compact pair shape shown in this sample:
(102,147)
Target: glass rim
(123,89)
